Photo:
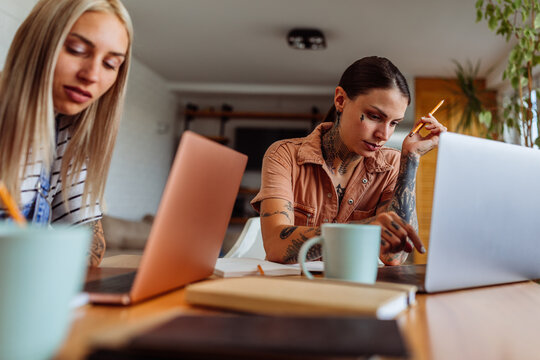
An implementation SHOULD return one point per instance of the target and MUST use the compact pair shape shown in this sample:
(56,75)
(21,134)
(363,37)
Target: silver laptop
(484,222)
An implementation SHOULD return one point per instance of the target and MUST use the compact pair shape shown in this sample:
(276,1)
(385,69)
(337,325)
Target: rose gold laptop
(189,227)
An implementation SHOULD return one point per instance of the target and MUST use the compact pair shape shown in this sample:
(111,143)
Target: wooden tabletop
(497,322)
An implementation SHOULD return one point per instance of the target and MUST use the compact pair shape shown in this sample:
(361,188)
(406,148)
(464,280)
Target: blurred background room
(228,69)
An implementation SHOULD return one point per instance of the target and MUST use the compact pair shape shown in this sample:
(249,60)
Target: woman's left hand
(419,144)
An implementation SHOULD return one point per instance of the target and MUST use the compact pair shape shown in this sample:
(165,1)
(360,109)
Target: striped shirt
(75,213)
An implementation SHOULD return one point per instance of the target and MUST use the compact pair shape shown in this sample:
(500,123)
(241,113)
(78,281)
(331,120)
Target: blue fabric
(39,211)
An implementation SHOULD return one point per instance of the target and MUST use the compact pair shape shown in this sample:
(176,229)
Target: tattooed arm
(403,203)
(97,248)
(282,239)
(397,216)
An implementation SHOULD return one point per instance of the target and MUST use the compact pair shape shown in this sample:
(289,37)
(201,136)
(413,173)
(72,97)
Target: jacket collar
(310,151)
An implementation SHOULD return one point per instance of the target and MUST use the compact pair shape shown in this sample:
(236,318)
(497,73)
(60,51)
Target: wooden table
(497,322)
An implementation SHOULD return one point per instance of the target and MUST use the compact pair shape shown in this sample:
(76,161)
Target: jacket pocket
(361,215)
(303,215)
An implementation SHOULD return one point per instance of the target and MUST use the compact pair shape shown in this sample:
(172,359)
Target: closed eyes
(80,50)
(378,118)
(75,50)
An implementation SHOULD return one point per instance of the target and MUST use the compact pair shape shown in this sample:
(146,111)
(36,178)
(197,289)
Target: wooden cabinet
(428,92)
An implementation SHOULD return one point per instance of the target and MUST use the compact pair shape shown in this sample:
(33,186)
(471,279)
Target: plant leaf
(485,118)
(492,23)
(478,15)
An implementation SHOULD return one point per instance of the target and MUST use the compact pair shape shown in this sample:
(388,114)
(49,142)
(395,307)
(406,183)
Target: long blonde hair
(27,121)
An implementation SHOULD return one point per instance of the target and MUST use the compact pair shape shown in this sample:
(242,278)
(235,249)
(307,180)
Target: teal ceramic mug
(41,271)
(350,252)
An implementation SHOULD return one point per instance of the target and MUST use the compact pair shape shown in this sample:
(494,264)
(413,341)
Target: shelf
(219,139)
(251,115)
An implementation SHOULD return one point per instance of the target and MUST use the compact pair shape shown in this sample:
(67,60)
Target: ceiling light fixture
(306,39)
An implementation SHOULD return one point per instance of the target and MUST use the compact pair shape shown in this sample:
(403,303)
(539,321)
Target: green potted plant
(470,100)
(519,19)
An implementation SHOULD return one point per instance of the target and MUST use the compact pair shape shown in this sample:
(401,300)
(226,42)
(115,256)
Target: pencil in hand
(421,124)
(11,205)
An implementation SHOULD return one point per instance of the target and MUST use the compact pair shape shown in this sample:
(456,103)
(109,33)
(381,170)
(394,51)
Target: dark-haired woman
(342,173)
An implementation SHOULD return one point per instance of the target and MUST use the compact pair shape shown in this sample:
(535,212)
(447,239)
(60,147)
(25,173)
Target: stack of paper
(236,267)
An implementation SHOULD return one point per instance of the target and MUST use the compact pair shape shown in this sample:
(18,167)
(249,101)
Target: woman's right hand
(396,234)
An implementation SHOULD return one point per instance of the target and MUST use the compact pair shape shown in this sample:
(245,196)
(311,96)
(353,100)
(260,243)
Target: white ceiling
(241,44)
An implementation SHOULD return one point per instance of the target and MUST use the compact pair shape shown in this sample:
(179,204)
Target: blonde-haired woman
(61,95)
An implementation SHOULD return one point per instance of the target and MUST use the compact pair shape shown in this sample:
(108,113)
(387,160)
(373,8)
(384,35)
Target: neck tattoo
(333,147)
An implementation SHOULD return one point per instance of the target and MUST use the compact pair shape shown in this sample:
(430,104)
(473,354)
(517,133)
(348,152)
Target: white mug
(41,270)
(350,252)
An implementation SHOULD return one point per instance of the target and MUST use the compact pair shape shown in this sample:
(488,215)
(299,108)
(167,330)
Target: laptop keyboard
(404,274)
(117,284)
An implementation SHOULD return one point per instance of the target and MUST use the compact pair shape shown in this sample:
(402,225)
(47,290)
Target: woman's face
(368,121)
(89,61)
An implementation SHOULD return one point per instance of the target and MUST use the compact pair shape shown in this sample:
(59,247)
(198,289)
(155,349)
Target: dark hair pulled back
(368,73)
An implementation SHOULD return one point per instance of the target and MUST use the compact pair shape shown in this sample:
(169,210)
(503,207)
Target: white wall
(144,147)
(143,152)
(12,13)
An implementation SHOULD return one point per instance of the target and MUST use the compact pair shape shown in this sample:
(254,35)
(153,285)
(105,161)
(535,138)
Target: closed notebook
(286,296)
(236,267)
(235,336)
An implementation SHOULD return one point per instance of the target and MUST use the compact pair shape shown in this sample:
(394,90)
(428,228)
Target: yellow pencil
(11,205)
(259,267)
(420,125)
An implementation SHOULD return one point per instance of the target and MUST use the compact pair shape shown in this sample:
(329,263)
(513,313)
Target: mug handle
(303,253)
